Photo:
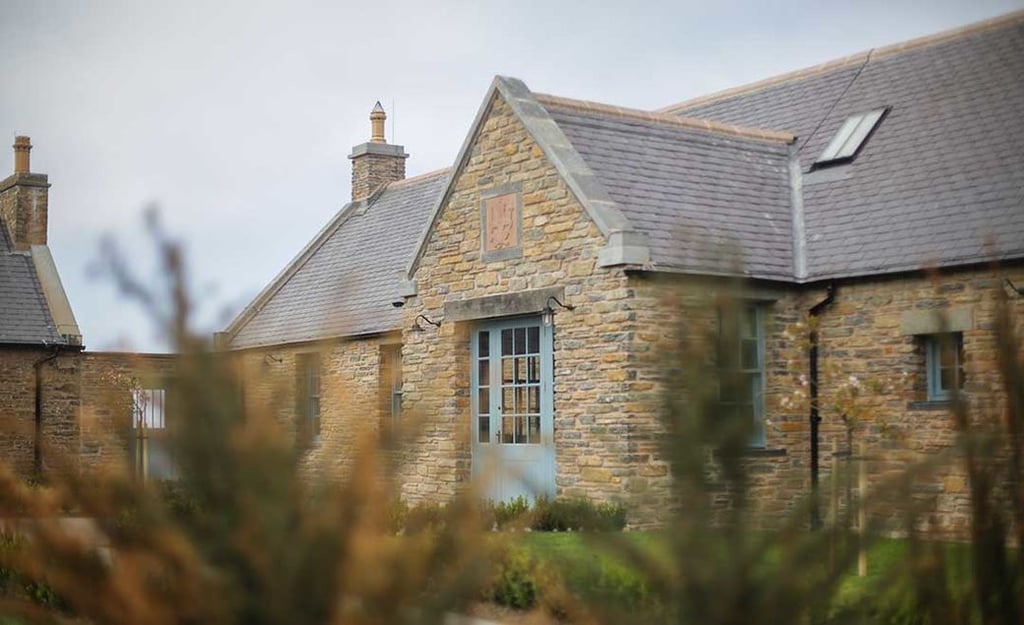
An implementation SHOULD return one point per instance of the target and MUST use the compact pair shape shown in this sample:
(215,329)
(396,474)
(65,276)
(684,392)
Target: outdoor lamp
(416,327)
(547,316)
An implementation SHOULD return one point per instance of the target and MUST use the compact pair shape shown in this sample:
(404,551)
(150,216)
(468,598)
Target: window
(850,137)
(308,396)
(151,453)
(741,367)
(391,381)
(944,365)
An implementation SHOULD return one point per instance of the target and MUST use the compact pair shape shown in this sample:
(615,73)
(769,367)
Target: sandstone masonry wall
(350,399)
(871,370)
(60,406)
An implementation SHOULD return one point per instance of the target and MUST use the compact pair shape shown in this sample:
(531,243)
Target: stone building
(60,406)
(517,303)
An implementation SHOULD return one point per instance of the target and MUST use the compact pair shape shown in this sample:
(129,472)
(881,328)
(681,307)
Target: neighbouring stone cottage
(61,407)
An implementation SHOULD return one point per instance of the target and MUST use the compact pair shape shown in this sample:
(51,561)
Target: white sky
(236,118)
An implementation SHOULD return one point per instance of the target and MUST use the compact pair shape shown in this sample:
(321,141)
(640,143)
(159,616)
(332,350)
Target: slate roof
(694,193)
(941,180)
(344,282)
(24,315)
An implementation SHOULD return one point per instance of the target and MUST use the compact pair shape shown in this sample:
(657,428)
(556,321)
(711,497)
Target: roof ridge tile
(420,177)
(909,45)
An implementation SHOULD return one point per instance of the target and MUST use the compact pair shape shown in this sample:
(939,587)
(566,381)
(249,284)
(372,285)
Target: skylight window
(848,141)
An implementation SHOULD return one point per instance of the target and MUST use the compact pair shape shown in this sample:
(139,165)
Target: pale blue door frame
(512,404)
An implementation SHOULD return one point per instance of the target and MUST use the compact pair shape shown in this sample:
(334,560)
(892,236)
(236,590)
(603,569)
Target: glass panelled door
(513,425)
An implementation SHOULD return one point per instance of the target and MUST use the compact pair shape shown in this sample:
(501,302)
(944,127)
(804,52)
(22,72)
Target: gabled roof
(25,318)
(940,181)
(662,190)
(626,244)
(343,282)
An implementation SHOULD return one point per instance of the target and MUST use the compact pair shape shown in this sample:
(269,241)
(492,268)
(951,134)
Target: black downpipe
(815,312)
(37,447)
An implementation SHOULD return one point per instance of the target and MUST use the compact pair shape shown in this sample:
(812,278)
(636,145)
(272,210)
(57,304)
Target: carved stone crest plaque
(501,222)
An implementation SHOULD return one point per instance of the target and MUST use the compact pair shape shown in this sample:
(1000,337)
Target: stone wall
(60,405)
(866,342)
(872,371)
(107,379)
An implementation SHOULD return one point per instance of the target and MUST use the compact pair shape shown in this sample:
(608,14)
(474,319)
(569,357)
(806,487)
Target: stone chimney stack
(376,162)
(24,200)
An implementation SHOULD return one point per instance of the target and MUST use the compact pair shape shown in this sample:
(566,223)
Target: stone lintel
(937,321)
(504,305)
(378,149)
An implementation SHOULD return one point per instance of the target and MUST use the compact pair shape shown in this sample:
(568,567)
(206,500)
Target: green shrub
(507,514)
(577,514)
(516,582)
(425,516)
(180,501)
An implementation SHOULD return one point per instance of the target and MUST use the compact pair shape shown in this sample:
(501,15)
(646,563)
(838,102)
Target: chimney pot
(377,118)
(22,147)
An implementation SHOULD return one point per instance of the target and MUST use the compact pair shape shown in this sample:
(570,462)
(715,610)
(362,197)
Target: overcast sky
(236,118)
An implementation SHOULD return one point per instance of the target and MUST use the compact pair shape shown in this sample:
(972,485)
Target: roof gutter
(815,416)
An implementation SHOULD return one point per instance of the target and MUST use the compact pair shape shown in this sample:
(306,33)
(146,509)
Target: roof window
(850,137)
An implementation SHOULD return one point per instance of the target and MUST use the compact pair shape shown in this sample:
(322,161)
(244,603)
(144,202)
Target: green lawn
(593,567)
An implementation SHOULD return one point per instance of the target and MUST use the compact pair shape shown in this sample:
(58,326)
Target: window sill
(763,452)
(931,404)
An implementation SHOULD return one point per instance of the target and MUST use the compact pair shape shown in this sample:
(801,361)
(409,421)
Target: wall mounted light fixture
(416,327)
(547,316)
(272,359)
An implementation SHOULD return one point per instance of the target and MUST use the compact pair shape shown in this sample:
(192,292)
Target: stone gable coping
(54,294)
(662,118)
(853,59)
(626,245)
